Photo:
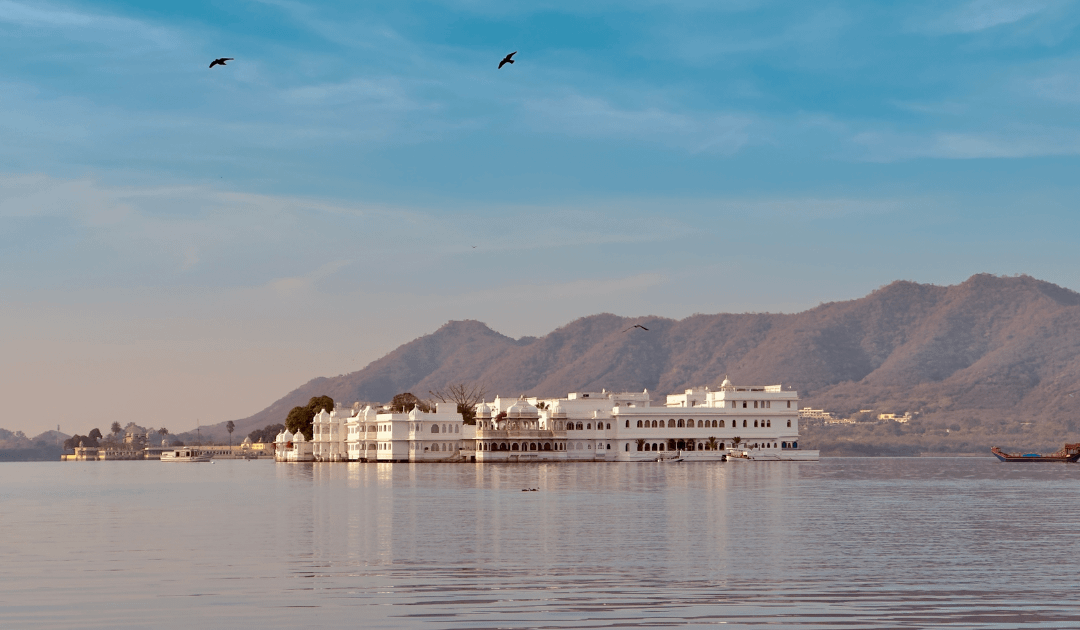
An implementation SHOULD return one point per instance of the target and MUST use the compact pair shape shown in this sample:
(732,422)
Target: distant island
(910,369)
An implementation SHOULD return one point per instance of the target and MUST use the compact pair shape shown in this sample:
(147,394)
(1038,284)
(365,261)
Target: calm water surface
(843,543)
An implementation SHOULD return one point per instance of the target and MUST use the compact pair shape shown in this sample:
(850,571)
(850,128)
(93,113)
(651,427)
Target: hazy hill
(987,356)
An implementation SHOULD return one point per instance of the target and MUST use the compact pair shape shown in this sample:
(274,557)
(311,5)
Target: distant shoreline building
(700,424)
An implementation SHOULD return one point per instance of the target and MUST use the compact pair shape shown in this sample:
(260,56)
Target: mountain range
(988,355)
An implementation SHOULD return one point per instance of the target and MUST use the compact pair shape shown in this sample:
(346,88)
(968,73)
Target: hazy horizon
(183,244)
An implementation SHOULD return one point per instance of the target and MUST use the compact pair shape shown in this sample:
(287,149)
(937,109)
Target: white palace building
(701,424)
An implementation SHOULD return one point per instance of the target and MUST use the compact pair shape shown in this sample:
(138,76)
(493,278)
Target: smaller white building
(367,435)
(292,448)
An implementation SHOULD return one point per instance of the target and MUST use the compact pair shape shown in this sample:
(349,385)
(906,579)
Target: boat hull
(1069,454)
(184,455)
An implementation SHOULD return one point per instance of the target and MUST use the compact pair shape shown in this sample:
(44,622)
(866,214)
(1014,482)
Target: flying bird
(636,326)
(220,62)
(507,59)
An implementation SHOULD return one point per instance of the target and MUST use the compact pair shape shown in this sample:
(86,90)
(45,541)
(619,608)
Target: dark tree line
(266,434)
(299,418)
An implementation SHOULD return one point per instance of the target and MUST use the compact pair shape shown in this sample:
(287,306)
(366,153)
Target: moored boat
(1069,453)
(184,455)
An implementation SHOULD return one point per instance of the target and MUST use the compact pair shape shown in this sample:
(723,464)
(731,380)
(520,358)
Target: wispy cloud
(1009,143)
(591,116)
(977,16)
(89,25)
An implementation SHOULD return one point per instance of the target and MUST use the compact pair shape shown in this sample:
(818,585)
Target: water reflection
(863,543)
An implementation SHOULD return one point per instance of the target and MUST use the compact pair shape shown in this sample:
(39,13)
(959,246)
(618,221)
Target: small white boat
(184,455)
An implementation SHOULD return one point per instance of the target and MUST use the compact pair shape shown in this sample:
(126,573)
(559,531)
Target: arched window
(789,423)
(768,423)
(794,445)
(661,446)
(627,447)
(755,424)
(627,424)
(514,446)
(680,424)
(579,426)
(699,424)
(721,424)
(608,425)
(654,424)
(671,423)
(547,446)
(744,423)
(434,428)
(532,446)
(588,426)
(639,424)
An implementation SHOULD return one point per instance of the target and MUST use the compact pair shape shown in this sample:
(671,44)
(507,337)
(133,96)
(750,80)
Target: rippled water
(853,543)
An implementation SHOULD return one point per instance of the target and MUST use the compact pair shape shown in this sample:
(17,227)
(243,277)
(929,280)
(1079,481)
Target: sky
(182,245)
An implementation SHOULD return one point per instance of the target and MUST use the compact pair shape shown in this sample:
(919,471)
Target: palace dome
(482,410)
(522,409)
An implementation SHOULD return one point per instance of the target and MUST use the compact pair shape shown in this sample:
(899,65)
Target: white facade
(292,448)
(699,424)
(367,435)
(750,422)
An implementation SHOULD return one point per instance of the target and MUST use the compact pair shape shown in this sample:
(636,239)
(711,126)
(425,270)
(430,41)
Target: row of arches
(519,446)
(701,424)
(435,447)
(576,426)
(681,445)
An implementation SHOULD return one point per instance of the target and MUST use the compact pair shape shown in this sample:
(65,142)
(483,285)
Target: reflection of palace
(701,424)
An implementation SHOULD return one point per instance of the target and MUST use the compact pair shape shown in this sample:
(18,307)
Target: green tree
(116,428)
(640,444)
(404,403)
(230,426)
(300,418)
(95,433)
(711,444)
(735,441)
(267,434)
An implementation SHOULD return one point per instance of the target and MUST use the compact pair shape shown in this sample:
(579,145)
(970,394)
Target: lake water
(842,543)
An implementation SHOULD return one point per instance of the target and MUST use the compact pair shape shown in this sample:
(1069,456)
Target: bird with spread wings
(507,59)
(220,61)
(636,326)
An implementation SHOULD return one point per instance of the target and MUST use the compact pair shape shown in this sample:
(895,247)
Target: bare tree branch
(464,395)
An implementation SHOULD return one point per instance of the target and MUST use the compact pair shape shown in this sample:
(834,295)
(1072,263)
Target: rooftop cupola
(522,409)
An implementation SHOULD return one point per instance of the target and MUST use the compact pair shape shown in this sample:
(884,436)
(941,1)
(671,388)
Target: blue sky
(196,242)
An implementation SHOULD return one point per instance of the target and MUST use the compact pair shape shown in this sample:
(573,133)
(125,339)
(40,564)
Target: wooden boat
(1069,453)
